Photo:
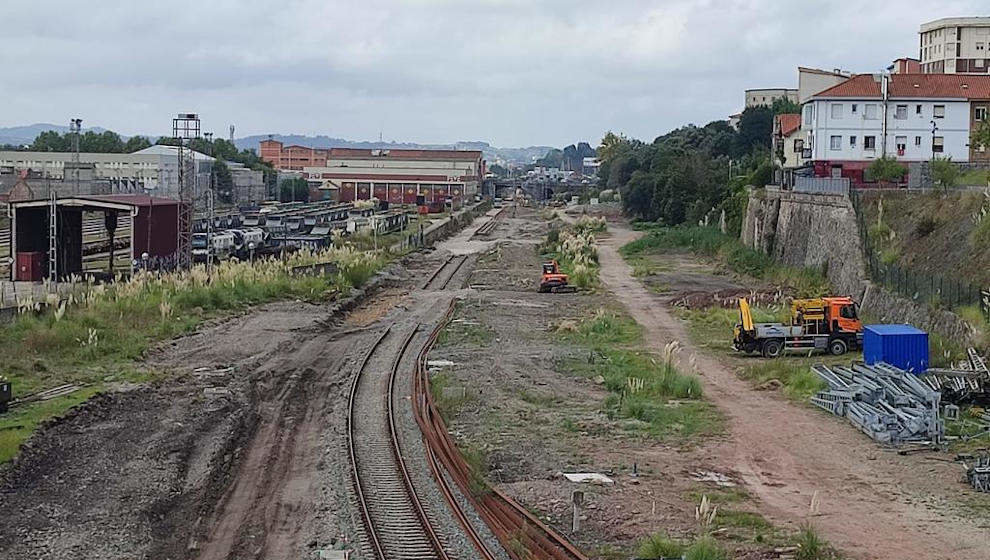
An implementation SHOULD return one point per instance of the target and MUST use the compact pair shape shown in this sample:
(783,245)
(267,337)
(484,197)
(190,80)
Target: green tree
(886,169)
(50,141)
(755,128)
(296,189)
(783,105)
(136,144)
(498,170)
(223,182)
(106,142)
(981,135)
(944,172)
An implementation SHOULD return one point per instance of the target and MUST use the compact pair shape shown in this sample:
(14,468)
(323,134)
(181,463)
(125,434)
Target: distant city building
(765,97)
(589,166)
(906,66)
(955,46)
(398,174)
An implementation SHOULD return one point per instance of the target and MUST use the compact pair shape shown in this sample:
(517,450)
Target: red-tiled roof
(470,155)
(789,122)
(938,86)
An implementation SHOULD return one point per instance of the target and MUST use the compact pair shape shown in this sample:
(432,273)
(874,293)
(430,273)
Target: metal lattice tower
(52,237)
(185,127)
(75,130)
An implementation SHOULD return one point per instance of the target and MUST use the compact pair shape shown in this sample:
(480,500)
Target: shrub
(705,548)
(659,546)
(926,226)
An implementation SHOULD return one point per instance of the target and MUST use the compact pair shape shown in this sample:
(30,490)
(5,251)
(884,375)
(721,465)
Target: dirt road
(873,503)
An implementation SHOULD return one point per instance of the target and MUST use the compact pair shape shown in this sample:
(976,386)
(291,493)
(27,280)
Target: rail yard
(446,410)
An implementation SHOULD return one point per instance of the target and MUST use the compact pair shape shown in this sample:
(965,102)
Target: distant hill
(21,135)
(519,155)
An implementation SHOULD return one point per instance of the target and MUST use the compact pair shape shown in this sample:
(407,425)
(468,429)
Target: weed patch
(712,243)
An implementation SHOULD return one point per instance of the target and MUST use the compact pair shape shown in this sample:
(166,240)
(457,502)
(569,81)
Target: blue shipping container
(902,346)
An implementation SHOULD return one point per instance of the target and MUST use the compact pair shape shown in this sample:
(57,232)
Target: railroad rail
(488,227)
(439,280)
(395,522)
(511,523)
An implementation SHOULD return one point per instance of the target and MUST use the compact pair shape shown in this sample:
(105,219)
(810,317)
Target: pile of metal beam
(967,382)
(888,404)
(978,473)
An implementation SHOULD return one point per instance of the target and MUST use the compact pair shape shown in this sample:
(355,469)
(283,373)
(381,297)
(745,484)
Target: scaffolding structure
(185,127)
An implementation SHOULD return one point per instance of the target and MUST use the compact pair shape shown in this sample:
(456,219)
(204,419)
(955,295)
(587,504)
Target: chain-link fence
(929,288)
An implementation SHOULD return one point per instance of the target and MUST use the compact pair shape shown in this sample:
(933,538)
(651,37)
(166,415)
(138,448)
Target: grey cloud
(513,72)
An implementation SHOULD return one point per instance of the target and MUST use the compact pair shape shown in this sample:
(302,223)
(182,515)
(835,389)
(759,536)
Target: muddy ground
(237,454)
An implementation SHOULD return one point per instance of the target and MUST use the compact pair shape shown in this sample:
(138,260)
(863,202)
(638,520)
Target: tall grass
(97,334)
(659,546)
(739,258)
(576,252)
(642,386)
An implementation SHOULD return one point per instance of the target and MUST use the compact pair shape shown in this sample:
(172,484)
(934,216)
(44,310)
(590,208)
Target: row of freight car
(262,233)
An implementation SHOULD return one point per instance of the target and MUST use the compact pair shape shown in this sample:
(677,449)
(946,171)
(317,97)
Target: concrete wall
(820,231)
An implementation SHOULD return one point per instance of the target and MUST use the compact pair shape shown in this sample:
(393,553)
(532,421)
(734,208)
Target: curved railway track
(395,522)
(442,276)
(512,524)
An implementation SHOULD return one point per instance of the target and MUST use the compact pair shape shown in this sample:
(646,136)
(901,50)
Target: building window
(837,110)
(938,144)
(809,113)
(835,143)
(917,109)
(798,145)
(981,113)
(852,141)
(940,111)
(900,112)
(917,140)
(855,108)
(901,142)
(869,142)
(871,111)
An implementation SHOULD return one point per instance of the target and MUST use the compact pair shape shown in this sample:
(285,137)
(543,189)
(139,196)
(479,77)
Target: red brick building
(292,158)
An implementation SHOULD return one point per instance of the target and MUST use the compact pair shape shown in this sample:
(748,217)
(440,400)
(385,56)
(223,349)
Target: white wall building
(856,121)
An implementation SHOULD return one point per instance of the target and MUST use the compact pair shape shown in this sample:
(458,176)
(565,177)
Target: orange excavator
(553,280)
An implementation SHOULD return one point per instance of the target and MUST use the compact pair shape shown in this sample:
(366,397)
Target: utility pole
(210,212)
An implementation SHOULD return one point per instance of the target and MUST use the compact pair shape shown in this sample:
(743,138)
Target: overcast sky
(510,72)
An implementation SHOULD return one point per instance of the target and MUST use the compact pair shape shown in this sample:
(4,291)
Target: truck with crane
(829,324)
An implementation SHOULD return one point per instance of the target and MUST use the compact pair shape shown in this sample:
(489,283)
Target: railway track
(395,522)
(442,276)
(522,534)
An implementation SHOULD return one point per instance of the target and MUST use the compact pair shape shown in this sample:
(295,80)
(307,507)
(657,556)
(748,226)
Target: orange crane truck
(829,324)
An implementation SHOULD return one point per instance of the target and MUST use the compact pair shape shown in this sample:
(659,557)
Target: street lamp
(934,130)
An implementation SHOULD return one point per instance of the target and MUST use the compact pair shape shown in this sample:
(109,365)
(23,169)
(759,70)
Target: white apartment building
(955,46)
(911,117)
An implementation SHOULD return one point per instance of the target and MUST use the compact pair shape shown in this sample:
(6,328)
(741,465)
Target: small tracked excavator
(553,280)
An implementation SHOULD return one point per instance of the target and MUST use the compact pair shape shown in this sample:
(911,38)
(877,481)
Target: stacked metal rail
(967,382)
(888,404)
(979,473)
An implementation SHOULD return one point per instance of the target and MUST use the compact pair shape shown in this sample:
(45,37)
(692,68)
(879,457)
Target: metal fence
(929,288)
(822,185)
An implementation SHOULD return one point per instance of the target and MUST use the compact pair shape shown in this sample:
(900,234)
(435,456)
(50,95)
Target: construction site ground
(239,452)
